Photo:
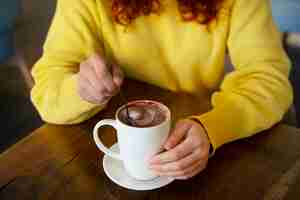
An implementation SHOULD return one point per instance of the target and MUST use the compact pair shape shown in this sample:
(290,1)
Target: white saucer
(115,170)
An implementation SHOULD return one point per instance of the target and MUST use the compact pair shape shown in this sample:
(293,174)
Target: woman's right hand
(98,82)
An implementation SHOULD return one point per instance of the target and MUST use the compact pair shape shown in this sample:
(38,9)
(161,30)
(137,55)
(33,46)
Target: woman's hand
(97,82)
(187,152)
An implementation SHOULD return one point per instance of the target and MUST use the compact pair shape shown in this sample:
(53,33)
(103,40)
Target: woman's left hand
(187,152)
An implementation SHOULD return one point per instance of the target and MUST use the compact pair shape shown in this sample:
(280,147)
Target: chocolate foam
(143,114)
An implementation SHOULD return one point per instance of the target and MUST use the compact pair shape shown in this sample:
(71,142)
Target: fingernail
(150,161)
(168,146)
(153,166)
(153,161)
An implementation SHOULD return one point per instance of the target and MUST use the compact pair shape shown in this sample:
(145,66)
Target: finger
(104,74)
(192,173)
(177,134)
(118,75)
(180,165)
(90,76)
(175,154)
(182,173)
(86,94)
(89,94)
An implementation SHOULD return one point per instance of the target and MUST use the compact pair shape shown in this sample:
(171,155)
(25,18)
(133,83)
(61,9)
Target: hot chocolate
(142,114)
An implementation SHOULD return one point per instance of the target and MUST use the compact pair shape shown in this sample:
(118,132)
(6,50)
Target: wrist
(211,149)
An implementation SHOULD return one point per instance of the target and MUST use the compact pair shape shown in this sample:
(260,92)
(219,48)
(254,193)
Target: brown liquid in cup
(143,114)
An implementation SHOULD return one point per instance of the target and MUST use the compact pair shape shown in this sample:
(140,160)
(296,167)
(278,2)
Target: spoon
(124,100)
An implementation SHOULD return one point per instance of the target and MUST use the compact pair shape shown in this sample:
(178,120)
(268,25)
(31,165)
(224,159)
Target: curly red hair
(202,11)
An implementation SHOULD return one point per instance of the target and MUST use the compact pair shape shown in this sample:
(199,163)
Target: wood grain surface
(62,162)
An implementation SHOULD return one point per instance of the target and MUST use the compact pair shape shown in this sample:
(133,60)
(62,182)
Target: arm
(252,98)
(257,94)
(71,39)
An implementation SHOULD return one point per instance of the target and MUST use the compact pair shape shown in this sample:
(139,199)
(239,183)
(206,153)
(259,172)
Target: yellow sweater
(167,52)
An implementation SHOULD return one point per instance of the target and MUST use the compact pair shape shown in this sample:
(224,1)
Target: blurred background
(23,27)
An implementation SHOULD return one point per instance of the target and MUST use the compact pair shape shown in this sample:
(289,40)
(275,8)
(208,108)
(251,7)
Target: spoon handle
(123,99)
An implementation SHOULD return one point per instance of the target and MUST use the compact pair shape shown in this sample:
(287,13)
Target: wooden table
(62,162)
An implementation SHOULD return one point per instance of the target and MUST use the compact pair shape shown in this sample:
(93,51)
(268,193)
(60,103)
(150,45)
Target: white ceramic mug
(136,144)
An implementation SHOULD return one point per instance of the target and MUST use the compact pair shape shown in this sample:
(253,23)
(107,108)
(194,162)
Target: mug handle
(100,145)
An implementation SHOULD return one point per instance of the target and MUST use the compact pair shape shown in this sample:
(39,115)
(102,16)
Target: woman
(175,44)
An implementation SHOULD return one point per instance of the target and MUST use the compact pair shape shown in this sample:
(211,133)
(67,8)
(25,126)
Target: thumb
(117,74)
(178,134)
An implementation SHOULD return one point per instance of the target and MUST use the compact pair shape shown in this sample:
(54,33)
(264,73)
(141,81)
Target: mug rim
(168,114)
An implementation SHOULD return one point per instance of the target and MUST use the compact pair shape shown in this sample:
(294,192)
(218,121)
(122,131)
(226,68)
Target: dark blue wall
(8,13)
